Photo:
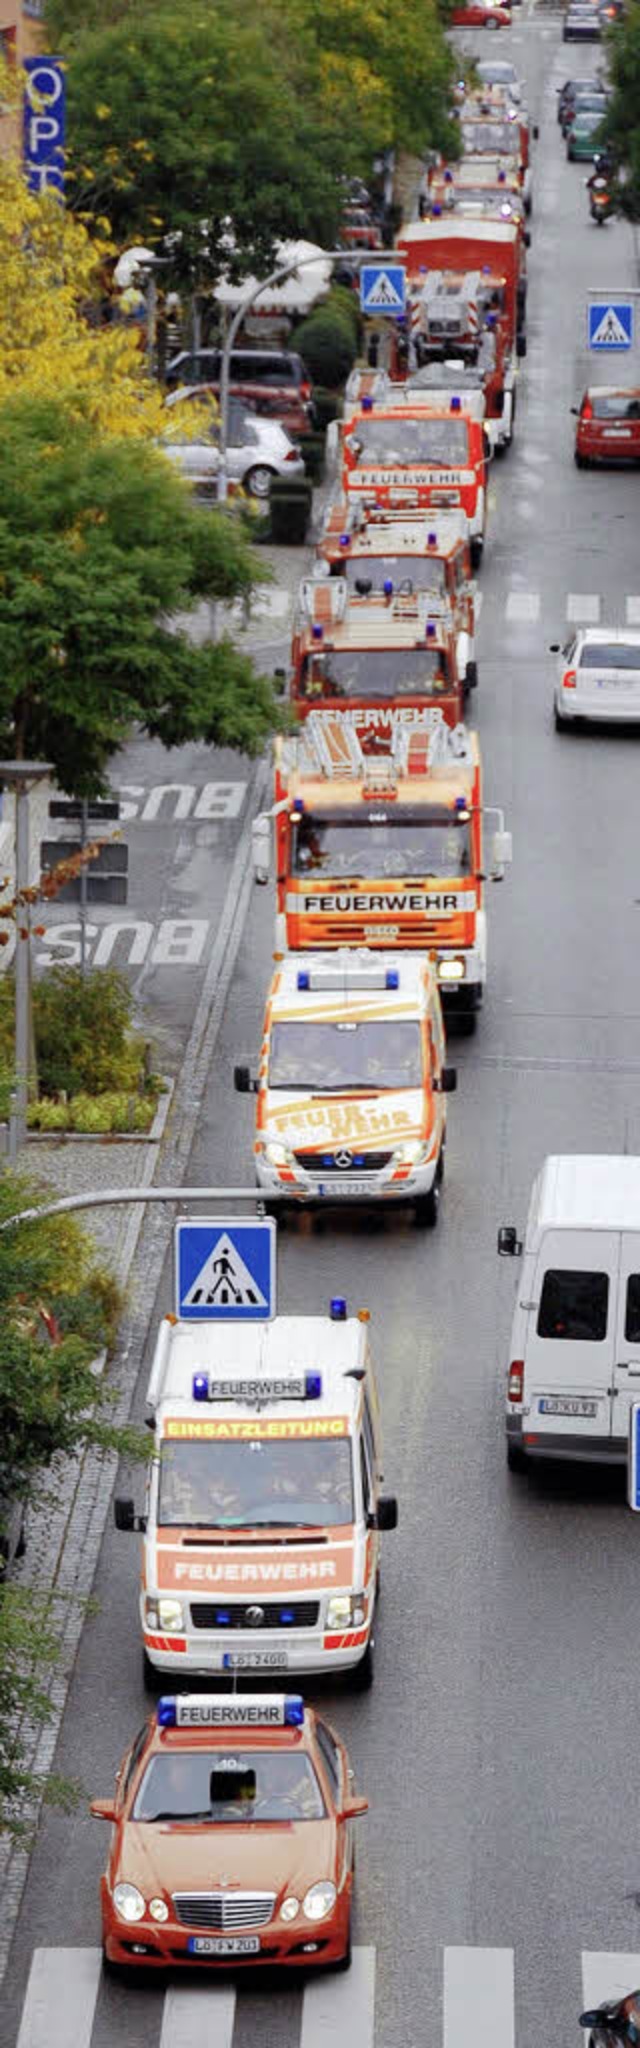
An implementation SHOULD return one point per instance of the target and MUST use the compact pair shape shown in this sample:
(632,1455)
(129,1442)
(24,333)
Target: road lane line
(61,1998)
(608,1975)
(479,1997)
(523,605)
(341,2009)
(583,611)
(633,611)
(200,2017)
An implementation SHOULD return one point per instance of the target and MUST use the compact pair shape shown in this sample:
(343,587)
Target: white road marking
(341,2009)
(583,611)
(175,942)
(479,1982)
(185,800)
(633,611)
(61,1998)
(201,2016)
(523,605)
(608,1975)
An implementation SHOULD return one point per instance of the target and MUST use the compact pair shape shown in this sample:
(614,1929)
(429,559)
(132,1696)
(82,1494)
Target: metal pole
(105,1198)
(278,276)
(84,815)
(18,1117)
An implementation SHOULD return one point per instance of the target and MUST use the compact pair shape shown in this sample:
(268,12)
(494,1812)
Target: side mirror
(575,411)
(447,1081)
(509,1244)
(527,239)
(521,345)
(102,1809)
(501,854)
(387,1512)
(554,646)
(261,849)
(124,1514)
(353,1808)
(243,1083)
(535,131)
(279,681)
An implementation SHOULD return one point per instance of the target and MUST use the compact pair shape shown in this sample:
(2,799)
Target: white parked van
(575,1348)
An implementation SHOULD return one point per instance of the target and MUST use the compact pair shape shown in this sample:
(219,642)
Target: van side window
(632,1316)
(574,1305)
(367,1431)
(366,1479)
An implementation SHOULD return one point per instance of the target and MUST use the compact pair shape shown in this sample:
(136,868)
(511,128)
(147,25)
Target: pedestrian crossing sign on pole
(383,289)
(610,324)
(225,1270)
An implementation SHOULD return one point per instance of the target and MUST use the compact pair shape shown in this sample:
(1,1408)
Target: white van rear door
(626,1367)
(569,1354)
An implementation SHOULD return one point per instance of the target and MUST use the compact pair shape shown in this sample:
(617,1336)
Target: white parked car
(257,449)
(493,71)
(598,676)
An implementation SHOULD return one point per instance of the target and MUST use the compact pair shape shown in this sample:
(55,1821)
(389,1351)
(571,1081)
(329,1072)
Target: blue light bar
(303,978)
(345,540)
(312,1386)
(431,631)
(166,1711)
(436,212)
(502,177)
(200,1386)
(338,1309)
(294,1710)
(448,177)
(392,978)
(388,587)
(455,405)
(317,632)
(460,803)
(432,540)
(298,805)
(367,403)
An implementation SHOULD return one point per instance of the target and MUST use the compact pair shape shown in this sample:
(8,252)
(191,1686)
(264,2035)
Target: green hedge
(84,1041)
(329,339)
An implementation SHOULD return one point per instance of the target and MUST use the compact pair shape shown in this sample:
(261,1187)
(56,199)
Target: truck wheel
(516,1459)
(427,1208)
(363,1674)
(470,677)
(477,549)
(151,1679)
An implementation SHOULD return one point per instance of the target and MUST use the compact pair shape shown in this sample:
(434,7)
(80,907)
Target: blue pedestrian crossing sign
(225,1269)
(383,289)
(633,1467)
(610,324)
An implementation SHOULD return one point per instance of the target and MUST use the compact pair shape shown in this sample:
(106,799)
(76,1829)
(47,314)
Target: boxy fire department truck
(393,645)
(383,848)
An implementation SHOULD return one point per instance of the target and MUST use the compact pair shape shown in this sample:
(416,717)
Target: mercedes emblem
(344,1159)
(255,1616)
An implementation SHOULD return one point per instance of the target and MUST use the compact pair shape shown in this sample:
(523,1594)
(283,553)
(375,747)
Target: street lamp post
(278,276)
(21,777)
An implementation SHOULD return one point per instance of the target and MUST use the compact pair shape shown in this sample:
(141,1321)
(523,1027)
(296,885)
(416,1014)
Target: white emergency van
(261,1531)
(574,1370)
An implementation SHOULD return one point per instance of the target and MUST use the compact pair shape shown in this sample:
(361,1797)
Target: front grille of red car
(224,1911)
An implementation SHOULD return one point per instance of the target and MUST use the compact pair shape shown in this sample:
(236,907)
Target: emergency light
(455,405)
(317,632)
(367,404)
(345,540)
(431,631)
(338,1309)
(388,587)
(432,540)
(248,1710)
(303,980)
(392,978)
(298,805)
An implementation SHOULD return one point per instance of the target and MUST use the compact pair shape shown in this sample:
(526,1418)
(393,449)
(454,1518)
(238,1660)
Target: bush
(82,1032)
(329,339)
(327,405)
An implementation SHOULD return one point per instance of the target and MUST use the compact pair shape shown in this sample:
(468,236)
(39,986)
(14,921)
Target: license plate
(255,1660)
(223,1945)
(341,1187)
(572,1407)
(382,931)
(617,433)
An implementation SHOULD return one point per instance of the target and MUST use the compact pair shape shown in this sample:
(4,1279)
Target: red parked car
(608,427)
(480,14)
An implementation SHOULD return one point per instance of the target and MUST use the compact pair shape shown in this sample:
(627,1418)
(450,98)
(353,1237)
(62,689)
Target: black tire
(152,1680)
(569,155)
(427,1207)
(580,460)
(470,678)
(345,1960)
(561,724)
(516,1459)
(266,475)
(363,1674)
(117,1973)
(477,550)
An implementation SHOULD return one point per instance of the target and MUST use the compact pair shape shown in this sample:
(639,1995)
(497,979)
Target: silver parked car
(257,450)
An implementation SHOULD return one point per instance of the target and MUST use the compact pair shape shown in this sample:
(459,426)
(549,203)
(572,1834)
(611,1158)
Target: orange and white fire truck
(418,449)
(390,646)
(352,1078)
(490,125)
(478,187)
(386,848)
(494,249)
(412,551)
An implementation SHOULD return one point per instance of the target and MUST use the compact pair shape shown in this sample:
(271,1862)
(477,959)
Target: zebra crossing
(63,1991)
(578,608)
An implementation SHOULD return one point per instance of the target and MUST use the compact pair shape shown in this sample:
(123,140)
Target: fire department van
(392,646)
(351,1086)
(386,848)
(261,1530)
(575,1346)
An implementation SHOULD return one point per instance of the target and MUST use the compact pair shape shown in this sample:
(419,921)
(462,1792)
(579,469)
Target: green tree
(100,544)
(621,125)
(29,1658)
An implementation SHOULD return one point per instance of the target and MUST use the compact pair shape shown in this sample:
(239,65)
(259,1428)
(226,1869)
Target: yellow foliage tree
(52,271)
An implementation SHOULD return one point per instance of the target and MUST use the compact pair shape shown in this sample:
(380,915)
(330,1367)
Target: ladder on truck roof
(331,745)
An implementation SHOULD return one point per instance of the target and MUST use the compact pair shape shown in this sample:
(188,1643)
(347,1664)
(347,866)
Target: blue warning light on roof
(200,1386)
(303,980)
(317,632)
(367,403)
(388,586)
(345,540)
(455,405)
(313,1386)
(338,1309)
(392,978)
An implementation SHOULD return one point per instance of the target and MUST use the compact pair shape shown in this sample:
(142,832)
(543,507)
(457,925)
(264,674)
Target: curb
(72,1568)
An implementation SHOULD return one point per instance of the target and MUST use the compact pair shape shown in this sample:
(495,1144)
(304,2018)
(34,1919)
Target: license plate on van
(548,1406)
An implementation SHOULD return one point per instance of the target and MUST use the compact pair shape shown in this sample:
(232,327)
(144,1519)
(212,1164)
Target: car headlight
(319,1900)
(158,1909)
(128,1901)
(451,970)
(345,1610)
(289,1908)
(277,1155)
(411,1154)
(164,1613)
